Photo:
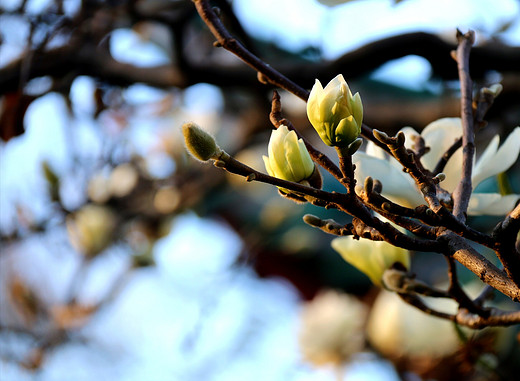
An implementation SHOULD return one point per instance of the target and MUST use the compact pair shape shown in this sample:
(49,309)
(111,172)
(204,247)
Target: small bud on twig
(381,136)
(199,143)
(401,138)
(378,186)
(369,185)
(312,220)
(354,146)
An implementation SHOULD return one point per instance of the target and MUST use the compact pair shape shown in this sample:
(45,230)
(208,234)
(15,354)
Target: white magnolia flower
(439,136)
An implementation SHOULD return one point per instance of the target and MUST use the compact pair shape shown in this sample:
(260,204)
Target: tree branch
(462,193)
(480,266)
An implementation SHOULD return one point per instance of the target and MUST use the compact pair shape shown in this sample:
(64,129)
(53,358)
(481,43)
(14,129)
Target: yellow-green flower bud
(288,157)
(371,257)
(334,113)
(199,143)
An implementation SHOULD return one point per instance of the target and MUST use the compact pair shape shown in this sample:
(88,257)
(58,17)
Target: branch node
(262,78)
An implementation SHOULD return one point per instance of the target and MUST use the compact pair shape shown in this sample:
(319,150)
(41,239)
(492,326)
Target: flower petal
(358,108)
(375,151)
(491,204)
(492,163)
(308,164)
(439,136)
(276,150)
(313,103)
(268,166)
(397,186)
(293,157)
(362,254)
(370,257)
(410,135)
(347,131)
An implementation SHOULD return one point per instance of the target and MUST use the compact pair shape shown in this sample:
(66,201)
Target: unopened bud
(288,157)
(335,113)
(199,143)
(354,146)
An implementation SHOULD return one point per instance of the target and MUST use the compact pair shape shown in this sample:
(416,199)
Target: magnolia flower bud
(199,143)
(334,113)
(288,157)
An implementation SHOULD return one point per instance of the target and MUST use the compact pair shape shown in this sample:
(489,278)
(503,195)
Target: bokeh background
(124,258)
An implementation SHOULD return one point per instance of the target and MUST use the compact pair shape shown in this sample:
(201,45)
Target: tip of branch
(469,36)
(369,185)
(378,186)
(381,136)
(312,220)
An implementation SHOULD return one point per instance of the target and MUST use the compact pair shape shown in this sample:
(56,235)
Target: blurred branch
(356,63)
(464,317)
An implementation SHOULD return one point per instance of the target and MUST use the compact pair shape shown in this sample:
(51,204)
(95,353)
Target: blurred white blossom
(332,328)
(91,228)
(397,329)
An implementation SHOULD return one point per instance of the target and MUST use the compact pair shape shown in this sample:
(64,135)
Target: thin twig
(447,155)
(344,202)
(228,42)
(266,74)
(464,317)
(458,293)
(406,158)
(462,193)
(415,301)
(496,318)
(505,235)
